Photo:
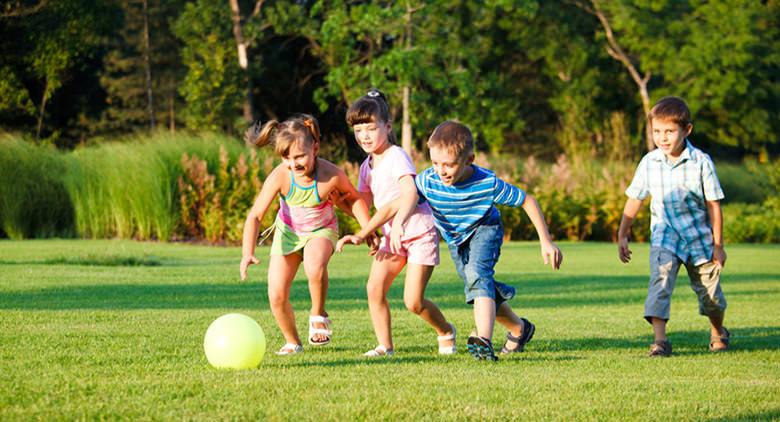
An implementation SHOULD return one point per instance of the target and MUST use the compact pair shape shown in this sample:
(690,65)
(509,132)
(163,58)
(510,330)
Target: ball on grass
(234,341)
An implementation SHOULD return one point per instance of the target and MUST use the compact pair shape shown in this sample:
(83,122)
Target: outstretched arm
(716,218)
(550,252)
(270,188)
(630,210)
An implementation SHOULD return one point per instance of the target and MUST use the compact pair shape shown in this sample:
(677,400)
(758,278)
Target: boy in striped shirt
(686,223)
(462,197)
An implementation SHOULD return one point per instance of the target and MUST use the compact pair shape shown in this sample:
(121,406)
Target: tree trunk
(406,127)
(148,66)
(44,97)
(243,59)
(614,50)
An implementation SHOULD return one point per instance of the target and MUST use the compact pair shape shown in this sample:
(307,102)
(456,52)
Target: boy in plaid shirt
(686,223)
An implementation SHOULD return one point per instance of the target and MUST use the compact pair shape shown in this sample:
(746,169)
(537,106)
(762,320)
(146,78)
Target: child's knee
(414,305)
(277,299)
(375,291)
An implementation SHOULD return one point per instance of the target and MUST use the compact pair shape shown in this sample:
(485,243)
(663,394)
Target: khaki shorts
(705,282)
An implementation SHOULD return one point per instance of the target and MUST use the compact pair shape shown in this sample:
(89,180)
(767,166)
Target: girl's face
(372,136)
(301,158)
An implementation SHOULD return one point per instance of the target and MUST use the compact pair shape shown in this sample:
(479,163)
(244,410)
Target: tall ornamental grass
(130,189)
(33,199)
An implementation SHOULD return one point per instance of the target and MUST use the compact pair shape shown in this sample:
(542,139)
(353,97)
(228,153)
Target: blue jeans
(475,260)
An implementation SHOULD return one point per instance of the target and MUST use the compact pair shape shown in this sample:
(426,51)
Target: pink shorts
(422,249)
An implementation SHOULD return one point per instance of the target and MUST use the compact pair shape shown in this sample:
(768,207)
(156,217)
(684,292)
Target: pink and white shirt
(382,182)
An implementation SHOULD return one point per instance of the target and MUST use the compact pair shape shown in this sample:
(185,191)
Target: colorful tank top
(302,216)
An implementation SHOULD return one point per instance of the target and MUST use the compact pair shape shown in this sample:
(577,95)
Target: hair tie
(373,93)
(312,129)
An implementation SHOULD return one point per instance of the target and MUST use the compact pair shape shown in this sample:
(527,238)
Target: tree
(142,72)
(212,86)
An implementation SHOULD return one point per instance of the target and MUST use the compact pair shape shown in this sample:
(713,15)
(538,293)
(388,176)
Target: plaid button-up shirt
(679,220)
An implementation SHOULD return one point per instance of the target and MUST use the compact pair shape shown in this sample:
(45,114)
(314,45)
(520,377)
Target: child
(306,227)
(686,222)
(386,175)
(462,197)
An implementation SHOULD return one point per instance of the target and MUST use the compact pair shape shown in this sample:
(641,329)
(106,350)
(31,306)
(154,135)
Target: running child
(306,227)
(462,197)
(387,175)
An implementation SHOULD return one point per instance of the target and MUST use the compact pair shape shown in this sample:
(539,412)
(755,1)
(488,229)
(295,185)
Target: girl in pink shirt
(386,175)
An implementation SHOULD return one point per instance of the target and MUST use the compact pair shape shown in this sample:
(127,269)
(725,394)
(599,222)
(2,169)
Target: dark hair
(453,136)
(372,107)
(672,109)
(299,128)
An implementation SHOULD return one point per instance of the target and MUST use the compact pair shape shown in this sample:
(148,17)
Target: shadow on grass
(769,415)
(684,342)
(344,294)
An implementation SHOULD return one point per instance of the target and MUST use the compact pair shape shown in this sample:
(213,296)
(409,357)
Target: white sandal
(447,350)
(290,349)
(313,331)
(378,352)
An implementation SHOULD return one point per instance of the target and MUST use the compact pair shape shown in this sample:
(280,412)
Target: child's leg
(316,255)
(664,266)
(484,316)
(506,317)
(705,281)
(383,271)
(417,277)
(281,271)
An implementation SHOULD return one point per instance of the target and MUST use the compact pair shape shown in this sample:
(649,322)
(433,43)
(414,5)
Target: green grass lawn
(114,330)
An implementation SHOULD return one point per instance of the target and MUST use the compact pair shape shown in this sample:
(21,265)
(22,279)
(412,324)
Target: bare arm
(550,253)
(270,189)
(630,210)
(716,218)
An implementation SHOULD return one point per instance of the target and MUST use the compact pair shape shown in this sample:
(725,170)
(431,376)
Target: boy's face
(669,136)
(372,136)
(451,168)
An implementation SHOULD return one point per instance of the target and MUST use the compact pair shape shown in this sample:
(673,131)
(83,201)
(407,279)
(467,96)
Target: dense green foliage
(201,187)
(526,75)
(114,330)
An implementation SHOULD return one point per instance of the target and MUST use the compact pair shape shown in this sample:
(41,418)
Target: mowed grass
(114,330)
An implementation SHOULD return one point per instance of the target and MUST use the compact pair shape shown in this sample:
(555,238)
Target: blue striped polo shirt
(679,219)
(459,209)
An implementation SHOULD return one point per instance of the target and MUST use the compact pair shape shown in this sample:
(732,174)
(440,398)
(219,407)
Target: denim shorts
(475,260)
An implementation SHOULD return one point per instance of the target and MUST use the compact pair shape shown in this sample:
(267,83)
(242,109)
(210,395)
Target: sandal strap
(450,336)
(378,351)
(290,349)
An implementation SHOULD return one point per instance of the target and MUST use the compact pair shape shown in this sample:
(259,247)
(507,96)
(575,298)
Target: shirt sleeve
(402,164)
(364,177)
(710,182)
(507,194)
(638,188)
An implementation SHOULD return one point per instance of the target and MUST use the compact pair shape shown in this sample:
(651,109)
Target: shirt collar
(685,156)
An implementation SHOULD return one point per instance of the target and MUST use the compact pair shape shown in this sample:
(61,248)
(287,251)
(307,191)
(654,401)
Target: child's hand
(719,256)
(351,238)
(245,263)
(372,241)
(396,232)
(552,255)
(623,251)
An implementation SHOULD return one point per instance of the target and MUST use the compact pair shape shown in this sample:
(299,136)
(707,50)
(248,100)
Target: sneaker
(481,348)
(660,348)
